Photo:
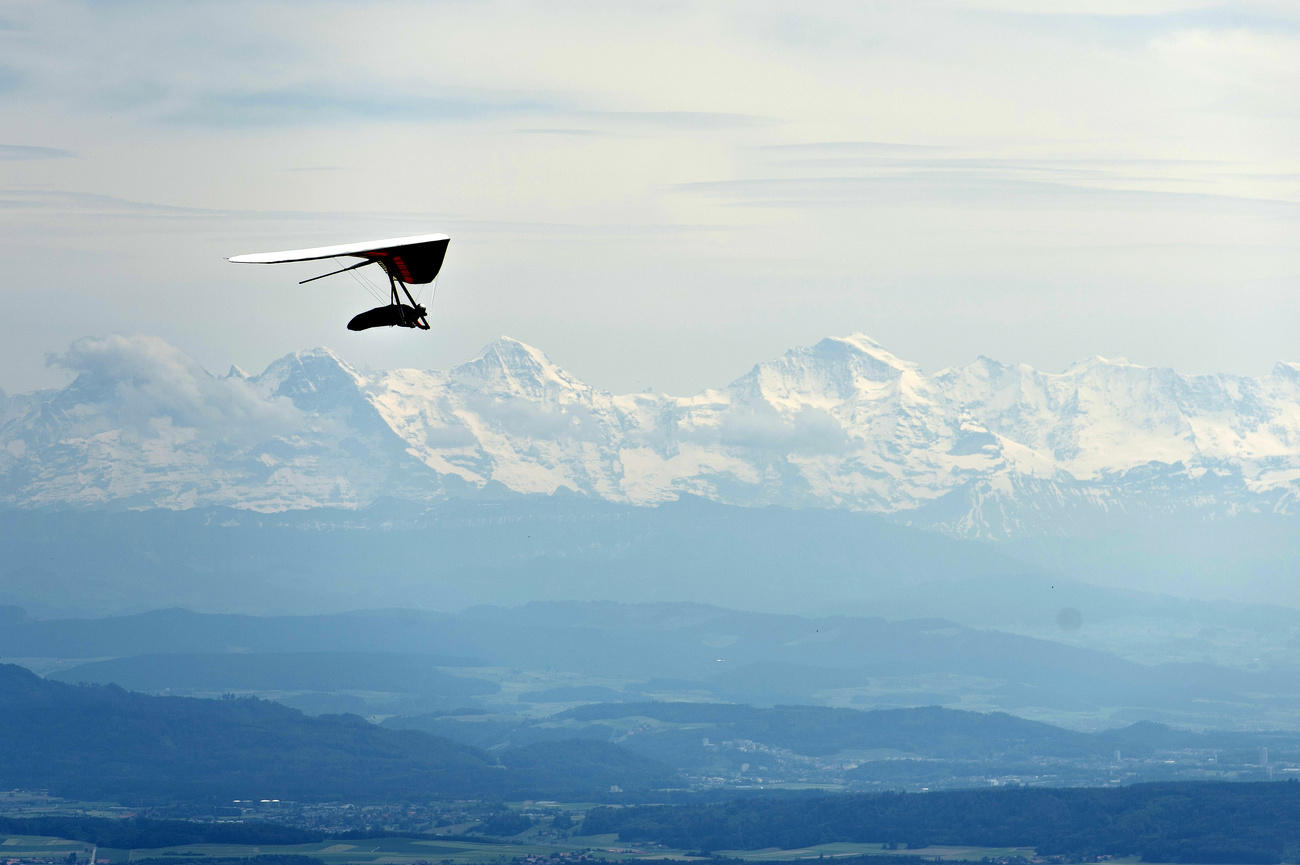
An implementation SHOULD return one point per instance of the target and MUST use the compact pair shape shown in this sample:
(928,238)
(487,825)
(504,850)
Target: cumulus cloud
(148,380)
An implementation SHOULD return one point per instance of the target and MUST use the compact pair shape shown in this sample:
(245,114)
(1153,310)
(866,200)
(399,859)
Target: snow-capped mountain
(986,450)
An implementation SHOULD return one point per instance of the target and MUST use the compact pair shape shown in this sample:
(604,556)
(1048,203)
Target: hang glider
(407,261)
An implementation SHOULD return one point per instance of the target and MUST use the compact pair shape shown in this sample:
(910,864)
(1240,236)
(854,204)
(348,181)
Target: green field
(32,846)
(407,851)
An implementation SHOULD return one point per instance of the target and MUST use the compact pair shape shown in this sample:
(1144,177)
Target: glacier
(988,450)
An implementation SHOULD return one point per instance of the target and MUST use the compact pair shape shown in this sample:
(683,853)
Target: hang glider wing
(412,260)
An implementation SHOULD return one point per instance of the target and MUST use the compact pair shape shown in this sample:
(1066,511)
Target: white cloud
(145,380)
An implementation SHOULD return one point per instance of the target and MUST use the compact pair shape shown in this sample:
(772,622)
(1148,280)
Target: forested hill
(820,730)
(99,741)
(1183,822)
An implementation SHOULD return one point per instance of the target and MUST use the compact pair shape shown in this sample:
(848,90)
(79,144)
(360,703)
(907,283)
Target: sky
(658,194)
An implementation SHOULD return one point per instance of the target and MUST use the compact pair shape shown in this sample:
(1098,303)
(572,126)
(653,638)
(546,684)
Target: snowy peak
(1097,360)
(1287,371)
(983,368)
(834,371)
(870,354)
(314,378)
(309,366)
(508,366)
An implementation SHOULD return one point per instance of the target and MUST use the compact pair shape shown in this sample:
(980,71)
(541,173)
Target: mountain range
(988,450)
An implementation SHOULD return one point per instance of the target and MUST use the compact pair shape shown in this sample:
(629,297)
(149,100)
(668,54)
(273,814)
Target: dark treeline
(821,730)
(140,832)
(1183,822)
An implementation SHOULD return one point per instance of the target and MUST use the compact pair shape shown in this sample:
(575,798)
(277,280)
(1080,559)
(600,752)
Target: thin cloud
(13,152)
(68,201)
(1144,22)
(568,132)
(320,104)
(969,164)
(813,149)
(876,154)
(1060,165)
(62,202)
(65,201)
(963,188)
(10,79)
(680,120)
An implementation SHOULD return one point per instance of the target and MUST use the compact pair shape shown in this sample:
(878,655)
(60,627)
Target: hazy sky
(659,194)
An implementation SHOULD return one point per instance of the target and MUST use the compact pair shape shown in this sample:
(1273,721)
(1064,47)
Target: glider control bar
(340,270)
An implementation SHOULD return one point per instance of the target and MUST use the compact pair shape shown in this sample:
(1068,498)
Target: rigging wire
(369,286)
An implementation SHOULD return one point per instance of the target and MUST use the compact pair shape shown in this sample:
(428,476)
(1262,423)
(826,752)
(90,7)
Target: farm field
(39,846)
(379,851)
